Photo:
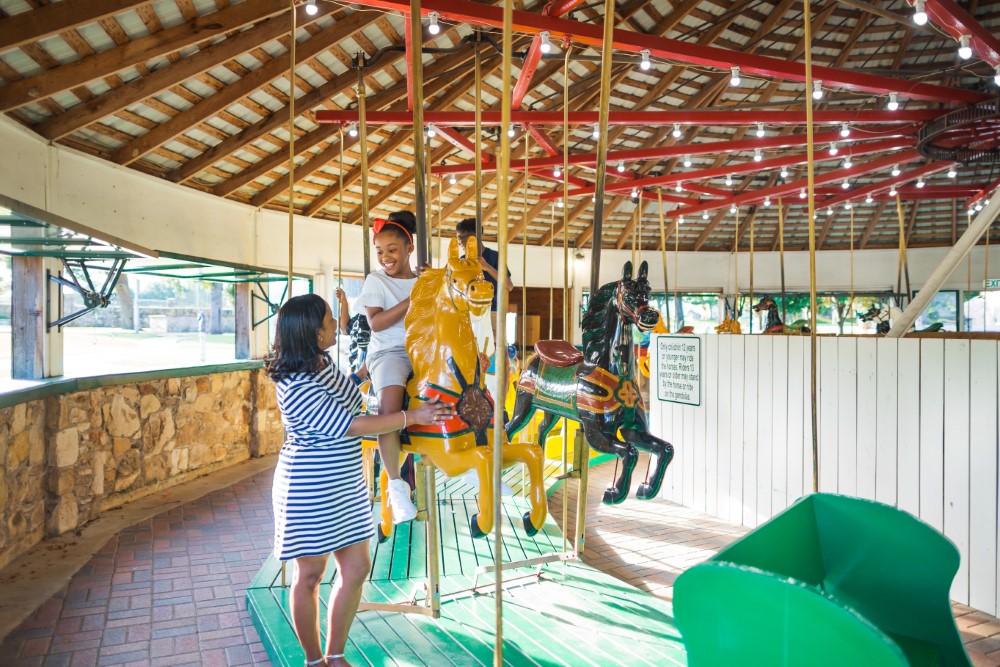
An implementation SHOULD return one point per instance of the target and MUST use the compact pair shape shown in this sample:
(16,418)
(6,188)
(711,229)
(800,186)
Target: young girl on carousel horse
(385,297)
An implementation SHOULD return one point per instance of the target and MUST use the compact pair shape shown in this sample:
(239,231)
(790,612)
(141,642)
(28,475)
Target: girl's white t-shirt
(383,291)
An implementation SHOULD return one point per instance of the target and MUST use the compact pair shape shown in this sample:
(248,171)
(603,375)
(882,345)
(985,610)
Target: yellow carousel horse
(447,365)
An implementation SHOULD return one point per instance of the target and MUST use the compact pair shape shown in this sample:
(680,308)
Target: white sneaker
(471,478)
(402,507)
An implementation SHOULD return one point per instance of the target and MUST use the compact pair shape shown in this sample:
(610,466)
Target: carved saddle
(558,353)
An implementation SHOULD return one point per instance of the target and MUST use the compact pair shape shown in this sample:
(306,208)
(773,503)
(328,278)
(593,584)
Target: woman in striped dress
(321,505)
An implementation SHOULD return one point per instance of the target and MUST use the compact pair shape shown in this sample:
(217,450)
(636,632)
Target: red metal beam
(523,83)
(461,142)
(877,189)
(553,151)
(983,193)
(954,20)
(706,148)
(591,34)
(742,168)
(638,118)
(793,187)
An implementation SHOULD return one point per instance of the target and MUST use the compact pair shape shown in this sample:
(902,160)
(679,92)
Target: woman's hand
(430,412)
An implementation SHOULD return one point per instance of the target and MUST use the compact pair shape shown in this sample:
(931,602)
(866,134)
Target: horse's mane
(595,316)
(420,330)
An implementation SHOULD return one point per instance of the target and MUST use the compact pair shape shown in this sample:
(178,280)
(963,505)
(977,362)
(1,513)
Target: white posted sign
(678,369)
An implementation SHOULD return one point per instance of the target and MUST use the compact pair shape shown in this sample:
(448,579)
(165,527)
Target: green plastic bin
(832,580)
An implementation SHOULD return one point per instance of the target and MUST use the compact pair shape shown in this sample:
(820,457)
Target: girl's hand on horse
(430,412)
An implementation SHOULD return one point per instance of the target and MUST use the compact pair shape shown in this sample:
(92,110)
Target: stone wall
(68,457)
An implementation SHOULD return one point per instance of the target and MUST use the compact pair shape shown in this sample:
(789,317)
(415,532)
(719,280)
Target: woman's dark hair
(296,348)
(404,219)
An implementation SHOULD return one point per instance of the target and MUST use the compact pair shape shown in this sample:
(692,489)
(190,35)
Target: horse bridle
(635,314)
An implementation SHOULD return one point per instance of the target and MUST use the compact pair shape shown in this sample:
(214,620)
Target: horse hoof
(613,497)
(644,492)
(529,528)
(382,537)
(474,527)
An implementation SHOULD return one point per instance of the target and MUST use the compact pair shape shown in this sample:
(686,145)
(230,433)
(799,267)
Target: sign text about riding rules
(678,365)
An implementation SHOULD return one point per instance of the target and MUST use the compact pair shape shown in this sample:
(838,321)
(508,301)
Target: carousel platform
(561,613)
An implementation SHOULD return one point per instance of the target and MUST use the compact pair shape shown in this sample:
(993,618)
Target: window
(981,311)
(943,308)
(700,311)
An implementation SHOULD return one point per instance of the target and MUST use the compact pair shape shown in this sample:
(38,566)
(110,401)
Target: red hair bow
(378,224)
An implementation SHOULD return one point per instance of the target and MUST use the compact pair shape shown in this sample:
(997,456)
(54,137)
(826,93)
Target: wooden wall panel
(798,422)
(956,456)
(710,398)
(866,420)
(829,416)
(908,425)
(931,413)
(736,425)
(886,406)
(765,410)
(847,410)
(751,360)
(781,414)
(724,440)
(983,516)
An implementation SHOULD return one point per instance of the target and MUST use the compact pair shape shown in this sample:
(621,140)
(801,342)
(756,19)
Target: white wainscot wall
(908,422)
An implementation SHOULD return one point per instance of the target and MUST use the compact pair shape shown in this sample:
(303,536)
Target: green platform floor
(570,614)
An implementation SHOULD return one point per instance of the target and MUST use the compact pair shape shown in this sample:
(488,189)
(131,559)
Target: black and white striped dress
(319,496)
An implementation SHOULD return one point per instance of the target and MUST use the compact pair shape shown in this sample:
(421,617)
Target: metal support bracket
(264,297)
(93,298)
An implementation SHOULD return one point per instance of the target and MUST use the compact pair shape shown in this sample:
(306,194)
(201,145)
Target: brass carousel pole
(595,259)
(811,182)
(663,256)
(363,151)
(419,163)
(477,139)
(501,369)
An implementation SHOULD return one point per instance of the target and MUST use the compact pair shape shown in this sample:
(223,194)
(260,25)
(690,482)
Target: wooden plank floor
(565,614)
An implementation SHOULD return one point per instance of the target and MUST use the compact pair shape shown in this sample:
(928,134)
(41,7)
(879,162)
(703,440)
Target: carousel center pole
(499,436)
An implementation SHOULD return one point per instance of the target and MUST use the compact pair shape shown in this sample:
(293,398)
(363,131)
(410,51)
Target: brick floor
(170,590)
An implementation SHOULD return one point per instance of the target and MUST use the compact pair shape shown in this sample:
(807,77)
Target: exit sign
(991,283)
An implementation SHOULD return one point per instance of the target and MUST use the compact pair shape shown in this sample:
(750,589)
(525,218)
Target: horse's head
(467,289)
(870,314)
(766,303)
(632,297)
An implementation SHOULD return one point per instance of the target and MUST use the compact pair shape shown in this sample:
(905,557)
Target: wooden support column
(37,352)
(244,321)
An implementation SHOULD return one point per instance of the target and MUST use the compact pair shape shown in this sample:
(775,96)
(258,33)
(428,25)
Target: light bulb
(453,180)
(893,102)
(817,90)
(679,187)
(352,129)
(829,210)
(311,8)
(431,132)
(729,179)
(964,50)
(996,76)
(767,202)
(621,166)
(951,172)
(869,199)
(680,220)
(847,206)
(597,131)
(593,198)
(433,28)
(970,211)
(732,209)
(847,162)
(557,172)
(704,216)
(644,64)
(920,182)
(895,170)
(546,45)
(892,191)
(919,16)
(784,172)
(760,129)
(559,203)
(734,80)
(845,185)
(979,207)
(802,193)
(687,160)
(677,131)
(757,157)
(635,193)
(845,130)
(833,148)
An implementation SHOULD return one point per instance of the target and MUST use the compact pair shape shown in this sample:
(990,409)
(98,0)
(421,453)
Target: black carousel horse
(597,387)
(361,335)
(884,316)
